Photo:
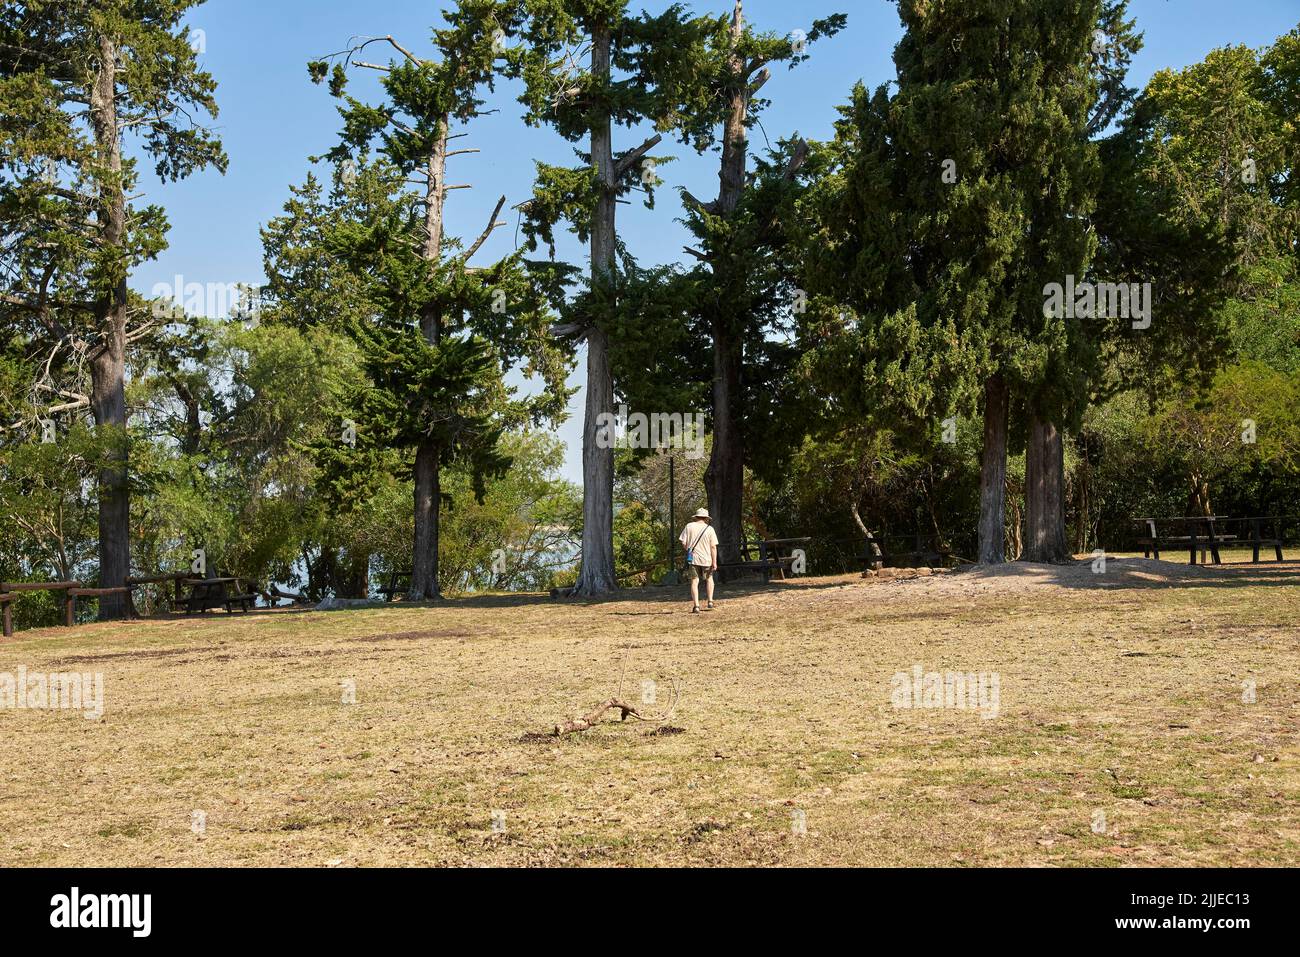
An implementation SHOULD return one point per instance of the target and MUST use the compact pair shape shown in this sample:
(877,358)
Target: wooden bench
(764,565)
(177,578)
(208,593)
(392,589)
(878,552)
(774,555)
(1202,534)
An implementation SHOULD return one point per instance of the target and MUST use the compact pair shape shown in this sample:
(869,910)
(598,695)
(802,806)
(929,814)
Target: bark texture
(428,478)
(993,474)
(724,479)
(1045,495)
(108,360)
(597,575)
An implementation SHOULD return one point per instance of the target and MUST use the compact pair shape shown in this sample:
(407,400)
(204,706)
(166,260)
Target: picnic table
(773,555)
(1202,533)
(1257,526)
(218,592)
(394,586)
(881,551)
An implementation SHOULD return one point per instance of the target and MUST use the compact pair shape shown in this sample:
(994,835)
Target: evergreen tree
(78,79)
(956,201)
(743,289)
(443,329)
(636,69)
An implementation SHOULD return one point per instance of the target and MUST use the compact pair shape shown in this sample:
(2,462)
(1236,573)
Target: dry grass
(1119,693)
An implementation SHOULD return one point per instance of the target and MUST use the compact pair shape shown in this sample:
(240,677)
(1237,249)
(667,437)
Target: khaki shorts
(702,572)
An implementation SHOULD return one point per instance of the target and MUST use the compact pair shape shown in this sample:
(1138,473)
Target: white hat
(704,514)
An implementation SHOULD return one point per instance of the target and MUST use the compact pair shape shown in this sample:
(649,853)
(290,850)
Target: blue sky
(273,118)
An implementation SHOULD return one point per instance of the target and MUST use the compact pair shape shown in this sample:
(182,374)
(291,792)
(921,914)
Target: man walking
(701,544)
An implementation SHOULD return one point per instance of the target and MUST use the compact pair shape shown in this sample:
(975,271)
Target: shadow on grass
(1120,574)
(1144,573)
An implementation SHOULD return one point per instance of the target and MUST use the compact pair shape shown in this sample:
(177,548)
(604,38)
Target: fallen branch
(626,711)
(590,721)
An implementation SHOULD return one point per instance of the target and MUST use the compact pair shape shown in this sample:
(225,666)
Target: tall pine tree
(444,329)
(588,67)
(78,80)
(741,282)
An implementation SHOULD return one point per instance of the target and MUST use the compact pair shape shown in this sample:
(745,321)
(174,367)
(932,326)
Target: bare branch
(710,207)
(627,711)
(493,223)
(405,52)
(796,161)
(628,161)
(81,403)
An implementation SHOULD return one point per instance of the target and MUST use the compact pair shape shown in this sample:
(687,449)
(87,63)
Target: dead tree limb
(629,160)
(625,711)
(493,223)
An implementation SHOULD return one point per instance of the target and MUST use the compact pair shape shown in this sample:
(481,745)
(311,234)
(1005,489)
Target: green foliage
(898,487)
(50,55)
(937,280)
(1266,326)
(435,335)
(521,531)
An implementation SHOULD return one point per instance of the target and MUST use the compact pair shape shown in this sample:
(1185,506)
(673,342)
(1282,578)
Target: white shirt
(702,540)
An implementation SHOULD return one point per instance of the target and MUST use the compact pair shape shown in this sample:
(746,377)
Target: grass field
(1124,733)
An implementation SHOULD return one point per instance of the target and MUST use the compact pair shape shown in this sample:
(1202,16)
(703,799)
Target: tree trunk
(731,176)
(1198,502)
(724,480)
(871,549)
(108,360)
(1014,542)
(597,575)
(993,474)
(108,403)
(1045,495)
(356,583)
(428,464)
(424,567)
(1083,507)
